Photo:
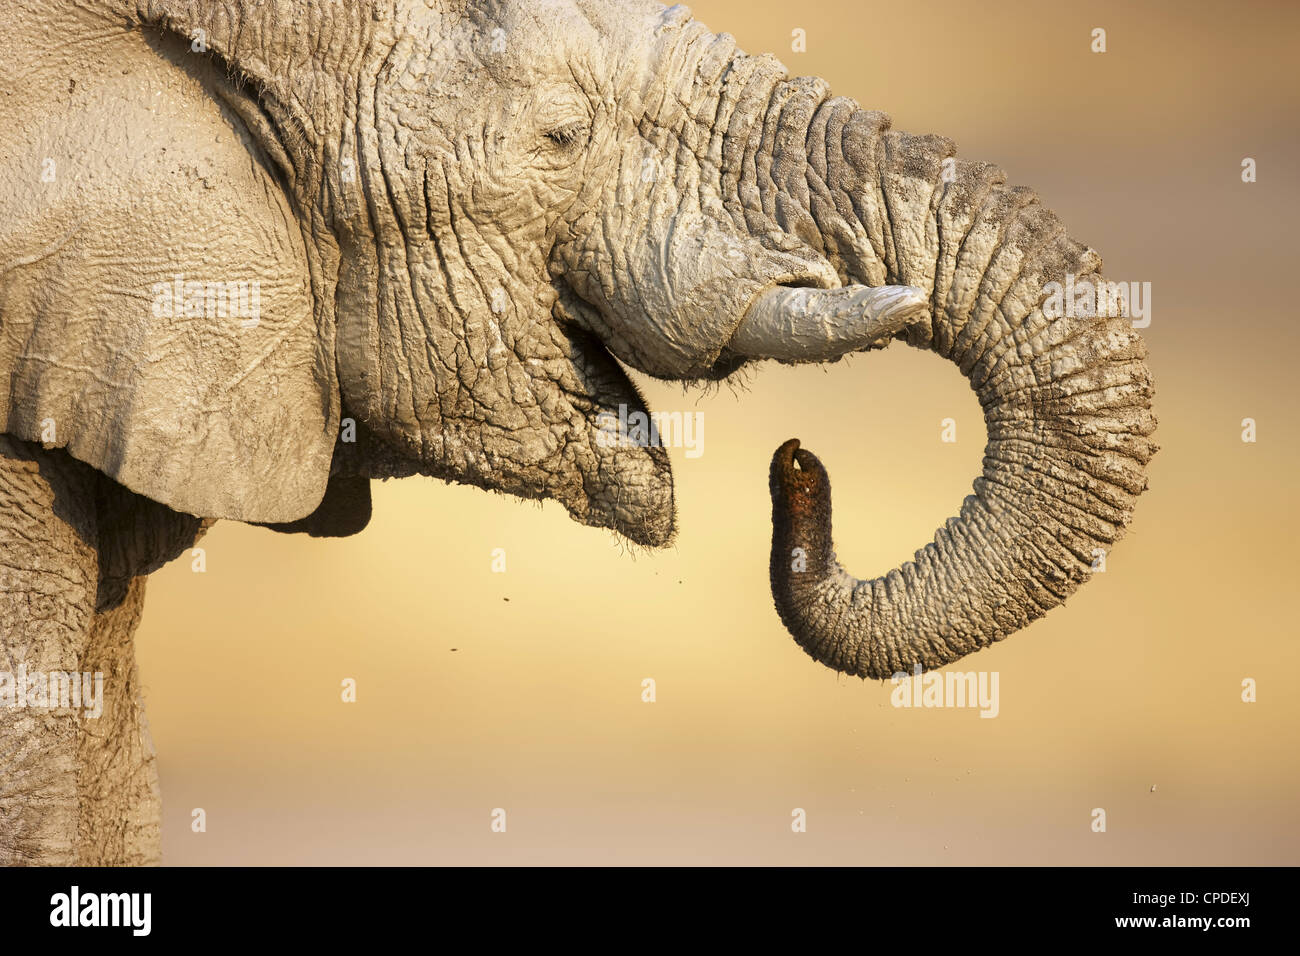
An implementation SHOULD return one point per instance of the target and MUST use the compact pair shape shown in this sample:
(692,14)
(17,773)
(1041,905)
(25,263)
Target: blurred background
(522,690)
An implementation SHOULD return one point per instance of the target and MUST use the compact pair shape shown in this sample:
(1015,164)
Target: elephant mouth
(625,483)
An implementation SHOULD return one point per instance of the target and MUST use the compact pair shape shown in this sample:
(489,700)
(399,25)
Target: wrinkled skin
(458,214)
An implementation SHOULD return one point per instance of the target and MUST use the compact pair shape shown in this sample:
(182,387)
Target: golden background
(1135,683)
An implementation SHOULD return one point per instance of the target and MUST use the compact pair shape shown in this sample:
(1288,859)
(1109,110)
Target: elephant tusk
(800,324)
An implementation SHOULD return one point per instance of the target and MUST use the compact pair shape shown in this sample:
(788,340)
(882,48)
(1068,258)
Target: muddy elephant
(257,253)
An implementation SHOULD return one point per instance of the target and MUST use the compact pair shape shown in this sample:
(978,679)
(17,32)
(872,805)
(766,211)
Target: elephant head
(464,214)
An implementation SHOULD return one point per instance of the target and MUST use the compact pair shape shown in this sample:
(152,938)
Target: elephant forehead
(476,56)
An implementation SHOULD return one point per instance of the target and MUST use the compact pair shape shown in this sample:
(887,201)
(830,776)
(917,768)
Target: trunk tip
(798,478)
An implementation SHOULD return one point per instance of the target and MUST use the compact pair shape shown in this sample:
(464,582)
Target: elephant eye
(570,134)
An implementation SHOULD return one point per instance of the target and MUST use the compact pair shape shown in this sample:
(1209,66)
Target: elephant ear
(344,511)
(159,316)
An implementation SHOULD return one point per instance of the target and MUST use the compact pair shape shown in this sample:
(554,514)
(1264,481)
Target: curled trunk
(1066,400)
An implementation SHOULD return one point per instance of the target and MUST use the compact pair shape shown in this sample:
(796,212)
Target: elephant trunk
(1065,392)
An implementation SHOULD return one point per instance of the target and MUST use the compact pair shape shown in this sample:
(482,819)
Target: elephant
(255,254)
